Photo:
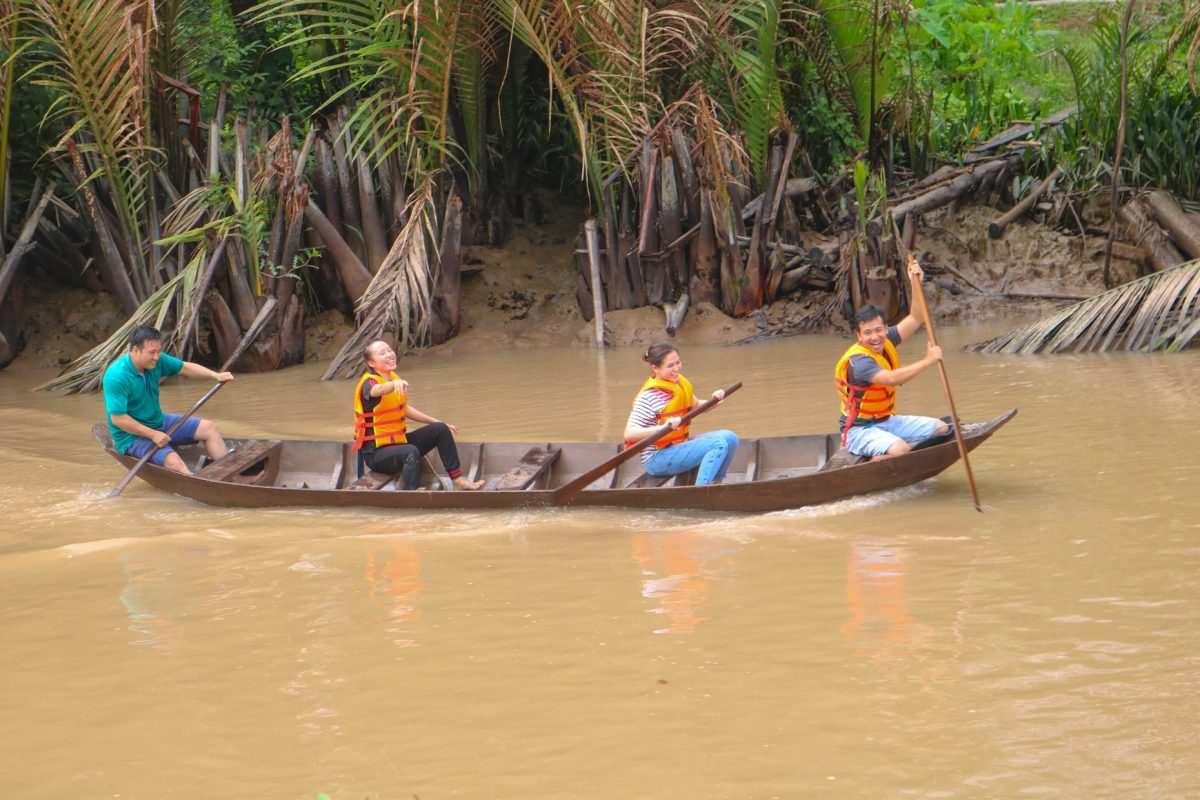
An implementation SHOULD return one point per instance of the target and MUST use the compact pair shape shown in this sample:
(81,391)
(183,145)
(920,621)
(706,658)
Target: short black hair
(867,313)
(142,334)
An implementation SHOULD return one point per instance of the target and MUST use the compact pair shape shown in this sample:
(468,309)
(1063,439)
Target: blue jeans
(712,452)
(184,434)
(877,439)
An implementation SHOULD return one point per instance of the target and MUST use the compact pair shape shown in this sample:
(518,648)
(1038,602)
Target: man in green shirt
(135,417)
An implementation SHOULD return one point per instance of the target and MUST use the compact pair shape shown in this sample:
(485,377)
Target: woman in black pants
(381,414)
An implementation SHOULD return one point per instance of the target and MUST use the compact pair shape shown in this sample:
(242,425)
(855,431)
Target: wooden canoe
(768,474)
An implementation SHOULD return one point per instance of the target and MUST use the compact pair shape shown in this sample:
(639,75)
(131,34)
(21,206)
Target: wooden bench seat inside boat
(648,481)
(842,458)
(231,465)
(525,474)
(373,481)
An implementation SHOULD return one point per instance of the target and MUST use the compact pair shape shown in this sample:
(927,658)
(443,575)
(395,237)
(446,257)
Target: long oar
(962,446)
(564,493)
(120,487)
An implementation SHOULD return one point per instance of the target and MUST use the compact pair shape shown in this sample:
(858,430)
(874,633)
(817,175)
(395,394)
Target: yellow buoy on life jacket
(387,422)
(872,401)
(680,403)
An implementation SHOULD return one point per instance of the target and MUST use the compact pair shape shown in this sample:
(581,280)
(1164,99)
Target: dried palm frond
(1157,312)
(722,160)
(1188,31)
(399,298)
(86,373)
(97,71)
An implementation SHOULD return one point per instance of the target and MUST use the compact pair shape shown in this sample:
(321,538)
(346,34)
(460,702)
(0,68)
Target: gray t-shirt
(863,370)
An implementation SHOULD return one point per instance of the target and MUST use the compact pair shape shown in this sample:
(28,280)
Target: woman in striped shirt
(664,399)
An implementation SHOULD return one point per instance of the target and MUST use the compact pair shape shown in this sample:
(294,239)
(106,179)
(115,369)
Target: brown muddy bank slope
(522,295)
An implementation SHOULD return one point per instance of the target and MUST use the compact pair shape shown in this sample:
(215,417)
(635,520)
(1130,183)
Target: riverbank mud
(522,295)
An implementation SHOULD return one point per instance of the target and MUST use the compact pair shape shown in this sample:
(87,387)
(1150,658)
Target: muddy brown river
(894,646)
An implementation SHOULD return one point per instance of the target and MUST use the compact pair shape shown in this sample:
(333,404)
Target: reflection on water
(881,624)
(895,646)
(149,596)
(677,570)
(393,575)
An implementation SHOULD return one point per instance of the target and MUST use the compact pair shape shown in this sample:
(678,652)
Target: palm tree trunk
(354,276)
(373,229)
(672,226)
(706,257)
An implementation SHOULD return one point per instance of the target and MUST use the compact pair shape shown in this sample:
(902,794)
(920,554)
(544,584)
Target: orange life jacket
(385,424)
(869,402)
(679,404)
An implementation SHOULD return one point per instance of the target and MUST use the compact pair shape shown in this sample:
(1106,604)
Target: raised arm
(911,323)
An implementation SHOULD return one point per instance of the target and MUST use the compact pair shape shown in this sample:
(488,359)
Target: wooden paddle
(919,296)
(120,487)
(564,493)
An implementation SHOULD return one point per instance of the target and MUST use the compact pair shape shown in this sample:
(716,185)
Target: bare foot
(465,484)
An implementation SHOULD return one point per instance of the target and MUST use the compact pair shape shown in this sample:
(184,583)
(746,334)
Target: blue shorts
(184,434)
(875,439)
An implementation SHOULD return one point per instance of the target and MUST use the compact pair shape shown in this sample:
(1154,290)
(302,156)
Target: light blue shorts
(184,434)
(877,438)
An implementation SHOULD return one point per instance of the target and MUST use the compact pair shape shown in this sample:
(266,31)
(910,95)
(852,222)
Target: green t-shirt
(128,391)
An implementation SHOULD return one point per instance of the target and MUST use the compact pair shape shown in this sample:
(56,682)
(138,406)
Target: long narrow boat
(768,474)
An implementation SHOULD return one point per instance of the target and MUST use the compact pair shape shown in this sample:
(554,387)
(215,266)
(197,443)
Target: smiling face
(872,334)
(381,358)
(668,370)
(146,355)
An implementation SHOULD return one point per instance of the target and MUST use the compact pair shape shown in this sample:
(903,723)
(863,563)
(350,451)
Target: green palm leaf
(96,69)
(759,98)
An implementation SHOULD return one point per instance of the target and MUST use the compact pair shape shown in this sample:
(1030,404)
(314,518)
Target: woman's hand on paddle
(719,395)
(933,354)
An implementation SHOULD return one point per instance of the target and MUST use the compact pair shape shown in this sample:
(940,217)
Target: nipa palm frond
(549,28)
(97,71)
(399,297)
(616,46)
(759,98)
(86,373)
(1157,312)
(722,160)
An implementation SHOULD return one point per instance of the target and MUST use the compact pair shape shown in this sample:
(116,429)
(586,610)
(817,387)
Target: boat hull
(771,474)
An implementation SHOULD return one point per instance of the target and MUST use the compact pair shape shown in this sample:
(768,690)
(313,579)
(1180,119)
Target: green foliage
(1162,139)
(978,64)
(828,129)
(223,51)
(859,34)
(870,193)
(758,99)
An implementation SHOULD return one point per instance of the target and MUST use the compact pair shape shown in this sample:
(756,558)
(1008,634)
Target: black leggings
(406,458)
